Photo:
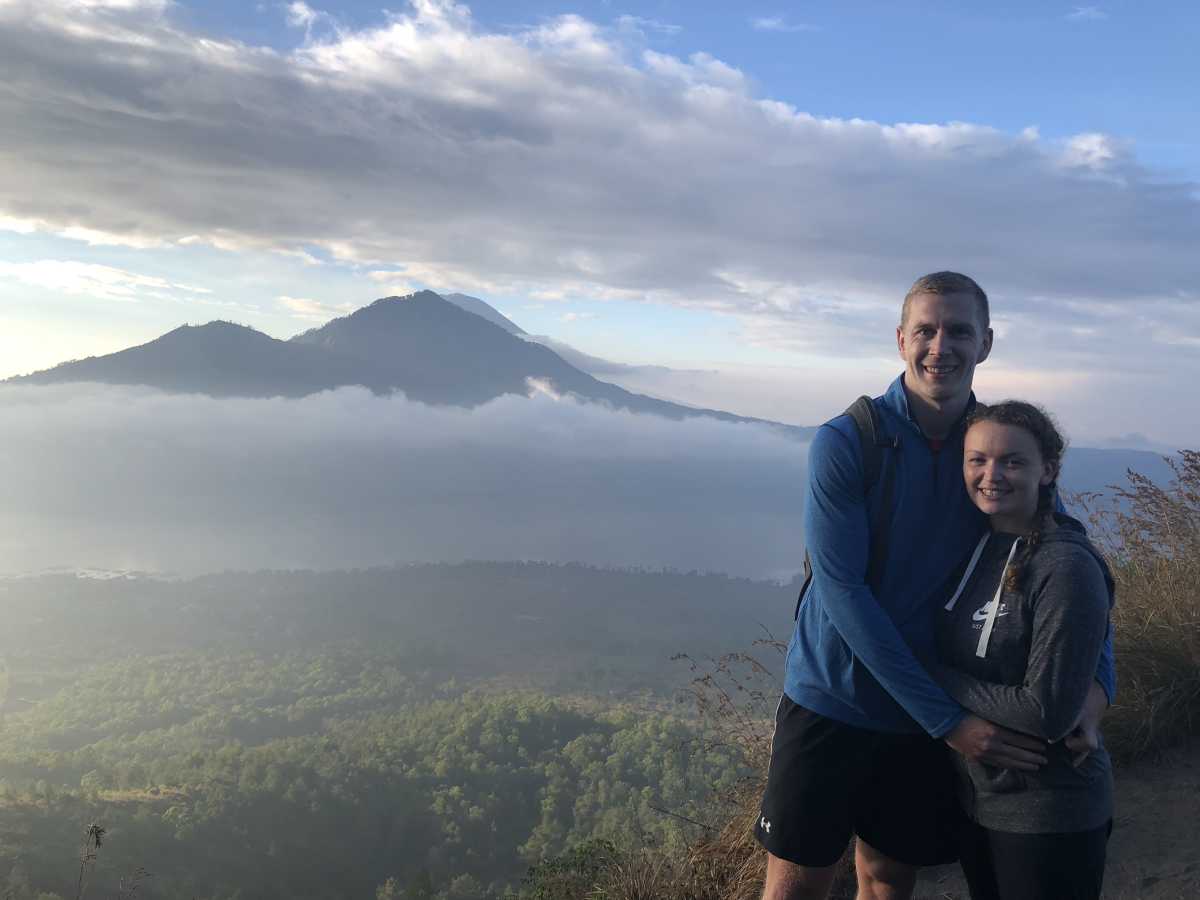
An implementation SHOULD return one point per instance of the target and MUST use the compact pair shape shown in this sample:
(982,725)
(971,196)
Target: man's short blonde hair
(940,283)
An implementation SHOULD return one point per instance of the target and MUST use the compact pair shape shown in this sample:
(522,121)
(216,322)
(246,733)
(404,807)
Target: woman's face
(1003,468)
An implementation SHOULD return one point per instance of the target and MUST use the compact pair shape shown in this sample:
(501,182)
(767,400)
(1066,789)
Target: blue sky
(742,193)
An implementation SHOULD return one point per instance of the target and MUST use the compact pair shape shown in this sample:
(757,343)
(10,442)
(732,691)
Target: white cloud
(299,14)
(91,236)
(314,310)
(94,238)
(300,254)
(576,317)
(1087,14)
(1095,151)
(97,476)
(778,23)
(639,24)
(119,5)
(395,284)
(563,161)
(19,226)
(93,280)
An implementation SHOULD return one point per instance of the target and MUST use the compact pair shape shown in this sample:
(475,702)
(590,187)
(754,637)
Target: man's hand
(987,742)
(1085,736)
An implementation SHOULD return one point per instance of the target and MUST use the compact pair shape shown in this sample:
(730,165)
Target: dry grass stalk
(1151,536)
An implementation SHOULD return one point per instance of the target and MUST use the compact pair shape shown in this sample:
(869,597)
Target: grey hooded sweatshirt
(1027,663)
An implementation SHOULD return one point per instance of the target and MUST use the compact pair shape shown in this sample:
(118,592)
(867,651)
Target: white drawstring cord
(970,568)
(994,611)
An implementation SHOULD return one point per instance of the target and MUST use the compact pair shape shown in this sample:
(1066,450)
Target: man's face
(941,343)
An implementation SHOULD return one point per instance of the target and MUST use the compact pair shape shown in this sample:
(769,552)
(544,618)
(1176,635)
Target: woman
(1018,639)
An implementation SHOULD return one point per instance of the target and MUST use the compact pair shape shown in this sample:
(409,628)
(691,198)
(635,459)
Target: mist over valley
(217,447)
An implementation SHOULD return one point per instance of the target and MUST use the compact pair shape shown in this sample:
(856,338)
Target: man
(862,730)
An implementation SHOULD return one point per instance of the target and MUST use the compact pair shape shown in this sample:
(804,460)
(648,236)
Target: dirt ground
(1154,853)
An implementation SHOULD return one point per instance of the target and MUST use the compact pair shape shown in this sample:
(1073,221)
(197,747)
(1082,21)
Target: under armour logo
(765,824)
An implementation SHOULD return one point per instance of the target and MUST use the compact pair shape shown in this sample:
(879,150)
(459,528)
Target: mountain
(433,350)
(437,352)
(220,359)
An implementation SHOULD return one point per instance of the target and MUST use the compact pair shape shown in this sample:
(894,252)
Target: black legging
(1002,865)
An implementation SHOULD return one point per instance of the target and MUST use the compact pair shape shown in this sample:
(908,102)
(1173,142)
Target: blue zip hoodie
(865,659)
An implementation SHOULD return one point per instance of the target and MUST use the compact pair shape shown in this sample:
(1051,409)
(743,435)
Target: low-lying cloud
(133,478)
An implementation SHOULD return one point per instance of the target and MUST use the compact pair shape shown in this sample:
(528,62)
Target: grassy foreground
(1151,537)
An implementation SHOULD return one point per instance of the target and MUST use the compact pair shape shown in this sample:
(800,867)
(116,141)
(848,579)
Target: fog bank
(134,478)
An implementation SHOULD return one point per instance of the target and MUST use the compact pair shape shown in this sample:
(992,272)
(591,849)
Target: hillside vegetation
(430,731)
(326,777)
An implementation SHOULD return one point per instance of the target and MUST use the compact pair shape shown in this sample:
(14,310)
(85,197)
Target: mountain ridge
(431,349)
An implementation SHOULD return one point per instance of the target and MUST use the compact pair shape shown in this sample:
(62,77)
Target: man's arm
(838,539)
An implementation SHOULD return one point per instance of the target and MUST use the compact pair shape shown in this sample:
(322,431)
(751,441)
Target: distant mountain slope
(1090,469)
(592,365)
(220,359)
(487,311)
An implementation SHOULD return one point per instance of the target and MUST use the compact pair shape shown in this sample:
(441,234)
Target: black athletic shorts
(1001,865)
(829,780)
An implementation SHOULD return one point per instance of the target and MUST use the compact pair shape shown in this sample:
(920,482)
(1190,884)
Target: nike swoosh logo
(981,614)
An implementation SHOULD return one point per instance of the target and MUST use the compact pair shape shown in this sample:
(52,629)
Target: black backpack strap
(873,440)
(870,430)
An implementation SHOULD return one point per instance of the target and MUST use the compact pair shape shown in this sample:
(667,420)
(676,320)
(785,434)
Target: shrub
(573,874)
(1151,536)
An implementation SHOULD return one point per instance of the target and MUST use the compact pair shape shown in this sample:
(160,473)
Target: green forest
(423,732)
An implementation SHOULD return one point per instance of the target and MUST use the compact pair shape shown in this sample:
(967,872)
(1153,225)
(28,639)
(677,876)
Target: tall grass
(1151,536)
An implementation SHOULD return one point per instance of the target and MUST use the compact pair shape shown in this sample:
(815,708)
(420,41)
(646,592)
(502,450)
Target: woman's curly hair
(1051,444)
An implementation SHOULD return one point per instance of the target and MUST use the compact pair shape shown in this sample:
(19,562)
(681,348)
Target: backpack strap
(872,440)
(870,430)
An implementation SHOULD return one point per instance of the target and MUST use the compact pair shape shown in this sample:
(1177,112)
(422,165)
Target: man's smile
(940,369)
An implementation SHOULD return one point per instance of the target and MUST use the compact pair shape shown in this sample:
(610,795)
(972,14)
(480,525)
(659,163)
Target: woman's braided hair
(1051,443)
